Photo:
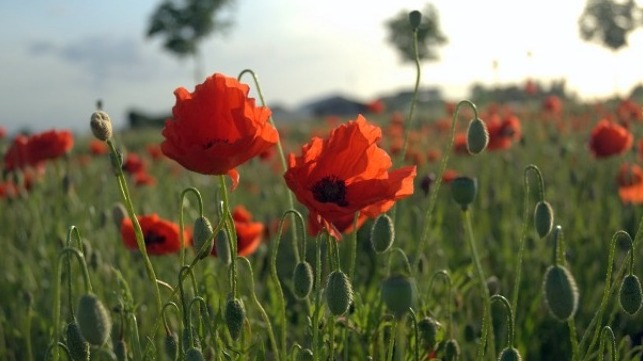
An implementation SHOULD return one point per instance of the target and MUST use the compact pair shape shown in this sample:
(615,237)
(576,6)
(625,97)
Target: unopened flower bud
(509,354)
(171,346)
(93,319)
(452,350)
(561,293)
(120,350)
(463,190)
(223,248)
(630,295)
(302,278)
(194,354)
(477,136)
(203,237)
(415,18)
(399,294)
(101,125)
(339,293)
(78,347)
(428,332)
(235,315)
(543,218)
(382,234)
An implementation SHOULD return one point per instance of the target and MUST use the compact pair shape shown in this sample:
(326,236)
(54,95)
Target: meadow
(516,252)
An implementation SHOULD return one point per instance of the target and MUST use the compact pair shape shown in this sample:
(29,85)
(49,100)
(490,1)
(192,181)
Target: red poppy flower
(376,106)
(553,105)
(449,175)
(154,151)
(503,132)
(217,127)
(133,163)
(531,87)
(161,236)
(17,154)
(142,178)
(248,232)
(627,110)
(3,132)
(344,174)
(608,138)
(8,190)
(460,144)
(630,183)
(49,145)
(97,147)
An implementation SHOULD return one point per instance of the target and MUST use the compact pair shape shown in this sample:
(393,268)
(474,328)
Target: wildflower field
(459,232)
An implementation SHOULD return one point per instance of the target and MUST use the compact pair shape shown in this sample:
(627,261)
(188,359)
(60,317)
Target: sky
(59,57)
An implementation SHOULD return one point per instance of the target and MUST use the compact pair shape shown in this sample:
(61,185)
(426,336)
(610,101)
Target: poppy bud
(415,18)
(78,347)
(561,292)
(171,346)
(93,319)
(305,355)
(339,293)
(428,330)
(399,293)
(223,248)
(452,350)
(477,136)
(194,354)
(382,234)
(463,190)
(203,237)
(509,354)
(118,214)
(630,296)
(235,315)
(543,218)
(101,125)
(302,279)
(120,350)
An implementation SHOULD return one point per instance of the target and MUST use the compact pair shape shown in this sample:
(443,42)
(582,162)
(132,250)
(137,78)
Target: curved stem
(449,306)
(317,285)
(186,311)
(165,323)
(609,334)
(232,239)
(56,354)
(138,232)
(438,181)
(418,70)
(204,305)
(510,318)
(72,231)
(181,223)
(416,334)
(405,259)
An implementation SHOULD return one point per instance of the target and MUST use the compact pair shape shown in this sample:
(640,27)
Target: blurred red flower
(3,132)
(142,178)
(344,174)
(249,233)
(503,131)
(17,154)
(217,127)
(49,145)
(161,236)
(376,106)
(154,151)
(133,163)
(552,104)
(8,190)
(630,183)
(608,138)
(97,147)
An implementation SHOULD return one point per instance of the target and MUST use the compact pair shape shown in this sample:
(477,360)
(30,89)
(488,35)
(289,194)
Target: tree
(185,23)
(608,22)
(429,35)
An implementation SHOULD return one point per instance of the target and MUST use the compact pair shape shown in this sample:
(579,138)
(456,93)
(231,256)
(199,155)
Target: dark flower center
(330,190)
(210,143)
(151,238)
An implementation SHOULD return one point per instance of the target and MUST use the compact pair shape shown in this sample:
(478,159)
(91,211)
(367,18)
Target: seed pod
(382,234)
(477,136)
(543,218)
(452,350)
(630,295)
(428,330)
(463,190)
(101,125)
(120,350)
(302,279)
(194,354)
(78,347)
(509,354)
(339,293)
(305,355)
(415,18)
(223,248)
(399,294)
(171,346)
(93,319)
(235,315)
(202,237)
(561,293)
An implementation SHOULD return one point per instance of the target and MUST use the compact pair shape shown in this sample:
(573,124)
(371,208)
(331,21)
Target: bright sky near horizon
(59,57)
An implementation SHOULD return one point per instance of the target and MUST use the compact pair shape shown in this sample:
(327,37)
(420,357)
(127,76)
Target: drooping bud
(223,248)
(302,279)
(477,136)
(194,354)
(510,354)
(428,330)
(171,346)
(235,315)
(399,294)
(93,319)
(561,292)
(543,218)
(339,293)
(78,347)
(415,18)
(452,350)
(101,125)
(120,350)
(463,190)
(305,355)
(630,294)
(202,236)
(382,234)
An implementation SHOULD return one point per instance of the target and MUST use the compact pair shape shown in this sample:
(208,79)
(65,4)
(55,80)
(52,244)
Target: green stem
(607,332)
(416,334)
(181,222)
(331,338)
(510,318)
(352,248)
(56,354)
(573,338)
(424,239)
(449,306)
(317,285)
(232,232)
(414,98)
(134,338)
(391,341)
(28,345)
(402,255)
(262,311)
(138,232)
(72,231)
(487,331)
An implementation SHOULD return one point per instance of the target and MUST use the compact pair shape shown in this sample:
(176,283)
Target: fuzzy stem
(402,255)
(72,231)
(416,88)
(352,248)
(181,223)
(233,234)
(573,338)
(317,285)
(510,318)
(609,334)
(416,332)
(447,279)
(487,331)
(56,354)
